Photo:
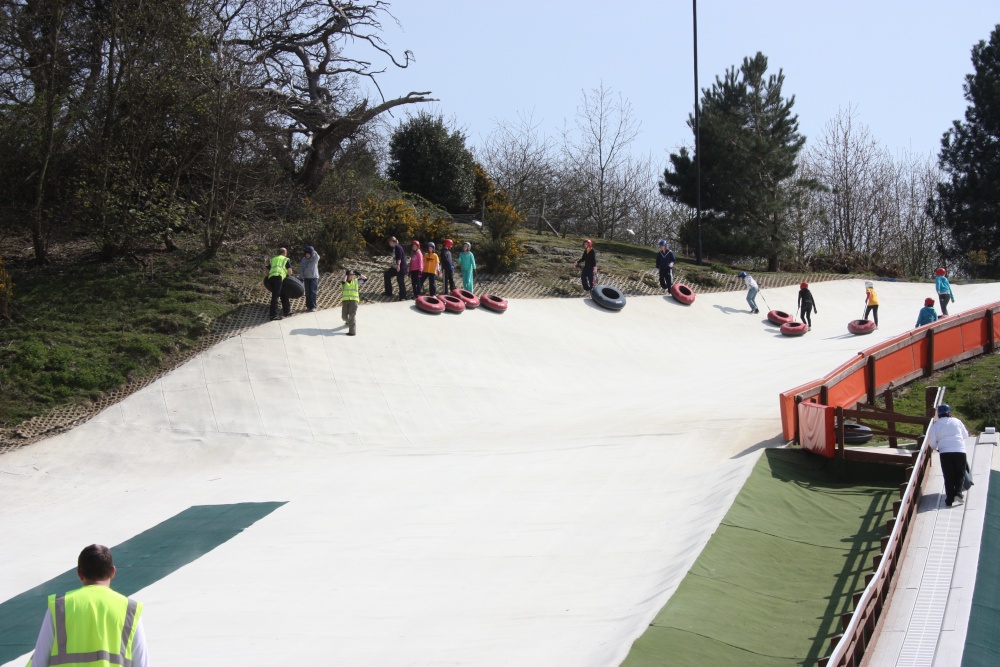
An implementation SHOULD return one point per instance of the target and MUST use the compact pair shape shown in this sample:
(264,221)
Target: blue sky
(899,65)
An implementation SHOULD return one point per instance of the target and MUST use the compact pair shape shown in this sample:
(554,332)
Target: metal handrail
(869,606)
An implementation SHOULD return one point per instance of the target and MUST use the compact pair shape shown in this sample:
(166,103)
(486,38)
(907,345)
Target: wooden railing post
(929,366)
(989,330)
(871,379)
(893,441)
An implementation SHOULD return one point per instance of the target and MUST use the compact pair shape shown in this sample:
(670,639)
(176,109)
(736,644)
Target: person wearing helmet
(467,265)
(752,290)
(665,265)
(431,269)
(943,288)
(947,436)
(448,267)
(416,269)
(927,313)
(871,302)
(588,272)
(807,305)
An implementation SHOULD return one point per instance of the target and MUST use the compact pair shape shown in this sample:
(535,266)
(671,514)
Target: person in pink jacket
(416,269)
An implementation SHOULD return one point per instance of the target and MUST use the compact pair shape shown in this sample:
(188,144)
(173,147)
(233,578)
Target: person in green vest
(278,268)
(350,296)
(92,625)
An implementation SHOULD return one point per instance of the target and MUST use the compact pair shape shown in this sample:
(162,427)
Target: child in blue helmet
(665,260)
(752,290)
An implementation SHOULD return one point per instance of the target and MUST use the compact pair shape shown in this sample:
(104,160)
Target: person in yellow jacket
(92,625)
(871,301)
(350,296)
(432,269)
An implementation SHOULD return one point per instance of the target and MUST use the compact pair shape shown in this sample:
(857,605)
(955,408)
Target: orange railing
(894,362)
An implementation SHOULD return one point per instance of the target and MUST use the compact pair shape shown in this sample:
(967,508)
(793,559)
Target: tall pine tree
(749,144)
(968,202)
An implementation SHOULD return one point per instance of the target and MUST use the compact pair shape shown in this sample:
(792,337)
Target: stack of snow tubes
(460,300)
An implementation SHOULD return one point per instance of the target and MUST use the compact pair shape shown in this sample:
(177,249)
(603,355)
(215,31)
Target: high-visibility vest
(349,291)
(279,267)
(93,626)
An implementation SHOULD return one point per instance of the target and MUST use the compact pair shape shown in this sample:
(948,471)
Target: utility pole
(697,135)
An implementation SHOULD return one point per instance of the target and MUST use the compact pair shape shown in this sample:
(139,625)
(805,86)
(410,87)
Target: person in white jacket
(752,290)
(948,435)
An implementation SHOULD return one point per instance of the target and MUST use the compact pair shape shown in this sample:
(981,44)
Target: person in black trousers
(278,268)
(665,264)
(448,267)
(588,274)
(807,305)
(398,269)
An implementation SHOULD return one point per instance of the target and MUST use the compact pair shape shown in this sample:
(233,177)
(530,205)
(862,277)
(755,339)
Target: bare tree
(521,161)
(597,163)
(308,80)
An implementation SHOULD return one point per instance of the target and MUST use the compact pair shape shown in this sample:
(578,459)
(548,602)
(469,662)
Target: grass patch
(973,392)
(88,327)
(772,582)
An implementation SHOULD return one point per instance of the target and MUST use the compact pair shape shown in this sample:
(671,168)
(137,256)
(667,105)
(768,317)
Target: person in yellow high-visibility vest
(279,267)
(350,297)
(92,625)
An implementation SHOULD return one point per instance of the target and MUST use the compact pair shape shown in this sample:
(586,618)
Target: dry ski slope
(475,489)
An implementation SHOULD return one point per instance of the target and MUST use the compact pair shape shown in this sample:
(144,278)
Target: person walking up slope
(871,302)
(588,274)
(467,265)
(807,305)
(665,260)
(752,290)
(947,436)
(944,292)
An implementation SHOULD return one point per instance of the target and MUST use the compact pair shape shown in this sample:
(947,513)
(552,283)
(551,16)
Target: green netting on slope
(982,643)
(772,582)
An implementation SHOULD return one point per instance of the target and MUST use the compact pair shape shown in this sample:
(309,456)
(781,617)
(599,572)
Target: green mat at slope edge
(772,582)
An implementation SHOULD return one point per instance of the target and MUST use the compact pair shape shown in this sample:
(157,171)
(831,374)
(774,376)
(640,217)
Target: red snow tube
(495,303)
(793,328)
(779,317)
(430,304)
(860,327)
(470,299)
(452,303)
(682,293)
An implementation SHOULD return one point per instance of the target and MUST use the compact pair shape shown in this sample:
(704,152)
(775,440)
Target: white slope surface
(477,489)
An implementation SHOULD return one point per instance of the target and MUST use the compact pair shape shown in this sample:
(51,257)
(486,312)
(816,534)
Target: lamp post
(697,136)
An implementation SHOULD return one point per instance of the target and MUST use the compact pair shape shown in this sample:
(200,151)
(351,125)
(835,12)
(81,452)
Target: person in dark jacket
(398,269)
(448,267)
(588,273)
(665,264)
(807,305)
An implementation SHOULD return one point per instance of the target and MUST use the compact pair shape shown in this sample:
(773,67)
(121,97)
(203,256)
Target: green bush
(500,255)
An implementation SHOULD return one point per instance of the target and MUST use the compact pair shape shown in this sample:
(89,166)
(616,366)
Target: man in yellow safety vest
(279,268)
(92,625)
(350,296)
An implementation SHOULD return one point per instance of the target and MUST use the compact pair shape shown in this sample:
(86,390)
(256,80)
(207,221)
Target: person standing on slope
(752,290)
(943,288)
(448,267)
(665,260)
(588,273)
(467,265)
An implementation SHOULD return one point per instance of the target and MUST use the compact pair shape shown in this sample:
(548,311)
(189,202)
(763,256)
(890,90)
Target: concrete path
(475,489)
